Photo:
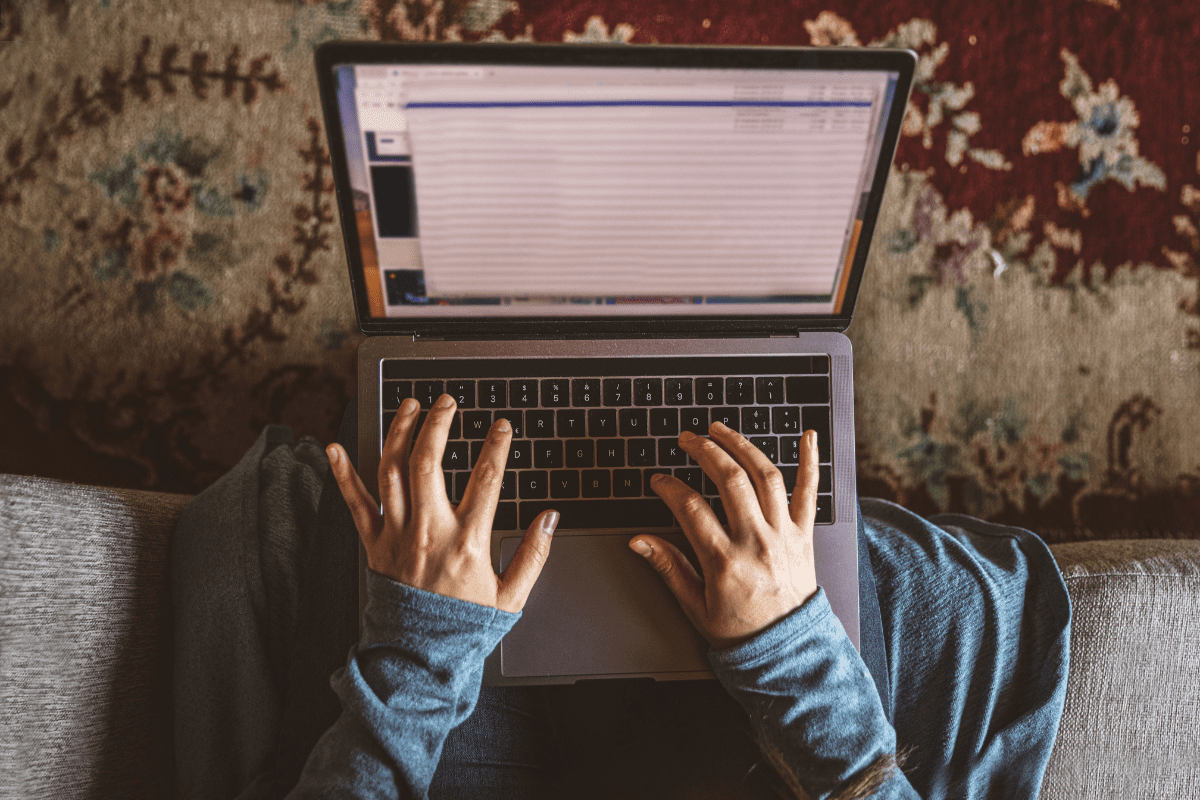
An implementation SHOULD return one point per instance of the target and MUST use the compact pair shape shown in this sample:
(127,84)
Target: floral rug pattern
(1027,337)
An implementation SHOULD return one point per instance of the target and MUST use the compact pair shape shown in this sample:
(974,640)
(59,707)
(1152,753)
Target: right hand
(761,569)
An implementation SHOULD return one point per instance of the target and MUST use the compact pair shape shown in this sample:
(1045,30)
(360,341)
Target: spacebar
(615,513)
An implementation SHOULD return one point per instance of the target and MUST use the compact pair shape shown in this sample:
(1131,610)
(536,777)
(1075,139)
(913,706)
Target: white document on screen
(656,189)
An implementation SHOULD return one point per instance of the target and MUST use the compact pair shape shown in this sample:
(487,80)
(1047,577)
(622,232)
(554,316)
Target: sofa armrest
(1131,725)
(85,640)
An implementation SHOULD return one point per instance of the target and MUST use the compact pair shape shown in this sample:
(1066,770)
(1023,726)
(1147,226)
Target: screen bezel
(332,54)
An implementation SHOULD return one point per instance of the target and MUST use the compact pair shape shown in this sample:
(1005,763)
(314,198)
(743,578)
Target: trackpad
(599,608)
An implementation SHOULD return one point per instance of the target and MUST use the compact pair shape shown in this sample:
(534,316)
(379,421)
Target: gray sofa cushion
(85,640)
(1131,724)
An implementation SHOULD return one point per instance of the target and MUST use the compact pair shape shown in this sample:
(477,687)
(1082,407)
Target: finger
(698,521)
(478,506)
(427,480)
(517,580)
(768,482)
(733,484)
(363,509)
(393,461)
(803,508)
(677,572)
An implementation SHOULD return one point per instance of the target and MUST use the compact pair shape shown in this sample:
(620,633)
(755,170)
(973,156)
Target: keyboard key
(789,449)
(692,476)
(756,420)
(610,452)
(556,392)
(476,452)
(647,474)
(679,392)
(532,484)
(385,424)
(428,391)
(516,420)
(634,513)
(585,392)
(476,424)
(548,454)
(627,483)
(789,478)
(739,391)
(520,455)
(539,423)
(642,453)
(461,479)
(664,422)
(506,517)
(719,509)
(820,365)
(393,393)
(580,453)
(825,481)
(523,393)
(710,391)
(730,417)
(670,454)
(602,422)
(572,422)
(456,456)
(785,419)
(508,486)
(564,483)
(816,418)
(710,488)
(632,421)
(807,389)
(455,431)
(824,508)
(768,391)
(597,483)
(694,420)
(449,476)
(618,392)
(769,445)
(493,394)
(647,391)
(463,393)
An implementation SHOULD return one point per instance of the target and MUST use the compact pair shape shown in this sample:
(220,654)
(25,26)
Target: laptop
(608,245)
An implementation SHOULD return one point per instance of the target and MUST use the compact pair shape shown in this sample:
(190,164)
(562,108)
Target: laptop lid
(608,190)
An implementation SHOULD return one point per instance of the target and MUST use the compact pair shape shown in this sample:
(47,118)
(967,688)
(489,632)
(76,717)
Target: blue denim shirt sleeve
(812,703)
(413,677)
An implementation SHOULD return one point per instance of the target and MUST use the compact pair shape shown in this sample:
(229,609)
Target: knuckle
(771,477)
(732,476)
(694,505)
(488,474)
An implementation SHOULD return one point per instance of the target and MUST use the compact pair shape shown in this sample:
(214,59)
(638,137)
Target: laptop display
(503,190)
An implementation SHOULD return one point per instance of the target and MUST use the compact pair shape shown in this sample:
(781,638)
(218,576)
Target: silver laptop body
(684,229)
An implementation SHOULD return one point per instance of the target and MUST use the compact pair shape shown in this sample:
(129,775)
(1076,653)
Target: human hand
(420,539)
(761,569)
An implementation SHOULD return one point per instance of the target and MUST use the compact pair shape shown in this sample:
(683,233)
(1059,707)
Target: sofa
(86,653)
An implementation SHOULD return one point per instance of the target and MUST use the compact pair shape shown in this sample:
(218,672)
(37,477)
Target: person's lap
(604,738)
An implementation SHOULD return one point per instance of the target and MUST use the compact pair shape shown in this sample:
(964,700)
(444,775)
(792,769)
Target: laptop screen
(517,190)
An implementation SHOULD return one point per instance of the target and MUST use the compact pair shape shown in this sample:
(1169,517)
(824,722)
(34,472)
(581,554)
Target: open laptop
(608,244)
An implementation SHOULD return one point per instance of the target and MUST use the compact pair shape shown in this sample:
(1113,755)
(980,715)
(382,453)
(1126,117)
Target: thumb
(516,582)
(678,573)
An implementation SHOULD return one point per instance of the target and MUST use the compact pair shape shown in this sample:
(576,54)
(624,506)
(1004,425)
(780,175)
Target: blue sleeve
(813,705)
(412,678)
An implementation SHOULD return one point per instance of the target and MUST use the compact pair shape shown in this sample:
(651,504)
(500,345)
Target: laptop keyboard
(587,444)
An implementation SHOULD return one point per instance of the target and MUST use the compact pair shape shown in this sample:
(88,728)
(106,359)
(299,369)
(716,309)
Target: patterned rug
(1027,338)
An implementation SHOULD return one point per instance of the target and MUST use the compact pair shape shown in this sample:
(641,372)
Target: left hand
(422,540)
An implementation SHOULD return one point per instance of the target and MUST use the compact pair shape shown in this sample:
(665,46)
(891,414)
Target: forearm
(413,678)
(814,707)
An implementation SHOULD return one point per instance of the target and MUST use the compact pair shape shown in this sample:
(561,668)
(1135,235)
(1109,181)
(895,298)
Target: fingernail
(655,478)
(686,436)
(334,455)
(445,401)
(549,523)
(501,426)
(640,547)
(720,426)
(409,406)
